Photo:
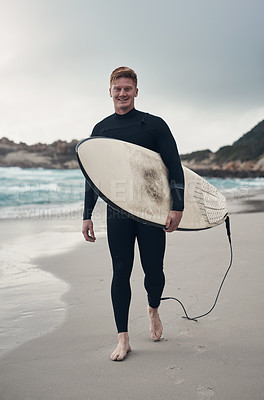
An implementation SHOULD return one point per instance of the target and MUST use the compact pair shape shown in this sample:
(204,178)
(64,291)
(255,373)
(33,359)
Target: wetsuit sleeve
(170,156)
(90,197)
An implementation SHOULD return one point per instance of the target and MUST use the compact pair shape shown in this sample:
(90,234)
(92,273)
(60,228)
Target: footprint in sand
(184,332)
(204,393)
(199,348)
(173,372)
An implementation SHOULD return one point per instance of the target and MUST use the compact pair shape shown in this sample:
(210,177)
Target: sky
(200,66)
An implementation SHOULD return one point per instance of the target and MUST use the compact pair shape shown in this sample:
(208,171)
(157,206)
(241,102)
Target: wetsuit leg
(121,235)
(151,242)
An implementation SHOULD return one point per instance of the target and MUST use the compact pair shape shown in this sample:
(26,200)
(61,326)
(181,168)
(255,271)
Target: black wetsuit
(153,133)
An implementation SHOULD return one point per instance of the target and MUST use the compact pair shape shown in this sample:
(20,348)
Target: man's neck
(123,112)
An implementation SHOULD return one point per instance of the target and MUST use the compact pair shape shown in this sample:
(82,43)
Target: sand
(220,357)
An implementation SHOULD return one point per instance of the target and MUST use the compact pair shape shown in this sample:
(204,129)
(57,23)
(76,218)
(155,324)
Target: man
(146,130)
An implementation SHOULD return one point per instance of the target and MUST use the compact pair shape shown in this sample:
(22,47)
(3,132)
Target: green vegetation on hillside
(196,155)
(249,147)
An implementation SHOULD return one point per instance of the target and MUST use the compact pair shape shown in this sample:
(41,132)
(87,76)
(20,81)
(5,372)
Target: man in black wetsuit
(151,132)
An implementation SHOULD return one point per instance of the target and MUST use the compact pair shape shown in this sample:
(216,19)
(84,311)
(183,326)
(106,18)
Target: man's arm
(170,155)
(90,199)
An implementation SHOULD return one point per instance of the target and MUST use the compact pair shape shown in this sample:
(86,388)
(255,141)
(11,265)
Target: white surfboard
(134,179)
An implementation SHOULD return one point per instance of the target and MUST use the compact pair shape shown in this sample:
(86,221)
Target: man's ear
(136,92)
(110,92)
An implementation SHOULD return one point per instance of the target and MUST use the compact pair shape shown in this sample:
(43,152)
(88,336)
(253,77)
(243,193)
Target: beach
(221,356)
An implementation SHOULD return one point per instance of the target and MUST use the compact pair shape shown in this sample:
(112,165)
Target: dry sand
(220,357)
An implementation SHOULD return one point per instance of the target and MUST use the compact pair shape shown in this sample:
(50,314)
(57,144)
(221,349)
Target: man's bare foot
(155,324)
(122,348)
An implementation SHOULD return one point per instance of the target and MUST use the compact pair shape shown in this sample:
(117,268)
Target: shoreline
(245,202)
(31,297)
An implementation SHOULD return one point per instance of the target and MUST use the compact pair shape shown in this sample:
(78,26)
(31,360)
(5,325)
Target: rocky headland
(244,158)
(58,155)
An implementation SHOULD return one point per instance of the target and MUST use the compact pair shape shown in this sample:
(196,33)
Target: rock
(73,164)
(59,155)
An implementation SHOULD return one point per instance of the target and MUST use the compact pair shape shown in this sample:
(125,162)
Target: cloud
(199,63)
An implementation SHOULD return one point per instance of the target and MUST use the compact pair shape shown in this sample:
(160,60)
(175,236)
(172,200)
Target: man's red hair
(123,72)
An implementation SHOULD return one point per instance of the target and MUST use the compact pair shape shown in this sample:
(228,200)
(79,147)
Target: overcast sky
(200,65)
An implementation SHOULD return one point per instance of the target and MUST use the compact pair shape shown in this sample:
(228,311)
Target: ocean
(40,193)
(49,203)
(52,193)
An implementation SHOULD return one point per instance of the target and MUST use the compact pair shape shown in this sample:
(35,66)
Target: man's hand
(88,228)
(173,220)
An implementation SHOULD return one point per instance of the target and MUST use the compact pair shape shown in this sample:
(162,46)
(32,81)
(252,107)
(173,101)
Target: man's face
(123,91)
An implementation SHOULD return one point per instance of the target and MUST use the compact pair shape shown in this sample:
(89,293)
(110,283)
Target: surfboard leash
(227,223)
